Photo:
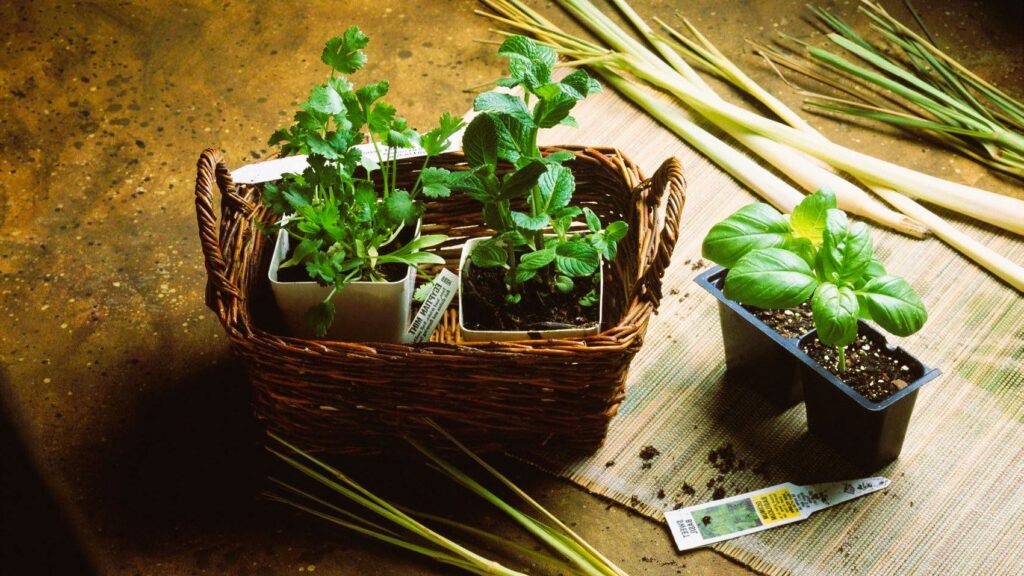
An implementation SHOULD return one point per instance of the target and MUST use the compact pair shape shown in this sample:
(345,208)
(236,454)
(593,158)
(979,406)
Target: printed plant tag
(703,524)
(445,285)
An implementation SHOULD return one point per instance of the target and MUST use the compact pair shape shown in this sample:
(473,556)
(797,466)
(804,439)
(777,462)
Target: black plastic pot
(869,434)
(755,354)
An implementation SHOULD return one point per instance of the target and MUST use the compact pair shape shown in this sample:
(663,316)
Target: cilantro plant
(816,253)
(346,222)
(537,244)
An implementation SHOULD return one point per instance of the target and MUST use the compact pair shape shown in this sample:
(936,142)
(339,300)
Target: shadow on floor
(34,534)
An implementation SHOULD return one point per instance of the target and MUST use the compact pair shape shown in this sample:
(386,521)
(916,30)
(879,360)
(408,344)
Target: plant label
(703,524)
(444,287)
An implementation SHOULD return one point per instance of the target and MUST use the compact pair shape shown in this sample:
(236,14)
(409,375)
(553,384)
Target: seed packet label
(704,524)
(445,285)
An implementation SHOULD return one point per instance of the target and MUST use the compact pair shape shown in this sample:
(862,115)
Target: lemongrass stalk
(1009,271)
(792,163)
(370,501)
(738,165)
(430,553)
(587,565)
(561,566)
(998,210)
(565,530)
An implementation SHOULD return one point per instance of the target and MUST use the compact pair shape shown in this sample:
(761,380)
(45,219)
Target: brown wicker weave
(342,397)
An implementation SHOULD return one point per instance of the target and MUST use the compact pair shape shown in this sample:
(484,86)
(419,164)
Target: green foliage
(777,261)
(539,245)
(345,223)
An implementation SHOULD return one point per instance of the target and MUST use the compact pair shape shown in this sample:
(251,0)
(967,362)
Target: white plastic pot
(505,335)
(364,311)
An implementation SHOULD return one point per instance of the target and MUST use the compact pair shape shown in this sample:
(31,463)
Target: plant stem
(842,358)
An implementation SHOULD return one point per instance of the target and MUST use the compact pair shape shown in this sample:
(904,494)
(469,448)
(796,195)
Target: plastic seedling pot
(755,354)
(505,335)
(868,434)
(364,311)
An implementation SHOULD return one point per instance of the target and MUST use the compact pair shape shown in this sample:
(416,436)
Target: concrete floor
(117,379)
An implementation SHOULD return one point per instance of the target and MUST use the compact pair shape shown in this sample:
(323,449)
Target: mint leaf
(593,222)
(616,231)
(537,260)
(835,312)
(499,103)
(342,53)
(550,112)
(753,227)
(893,304)
(563,284)
(488,254)
(479,143)
(808,218)
(576,259)
(529,222)
(770,278)
(522,180)
(556,187)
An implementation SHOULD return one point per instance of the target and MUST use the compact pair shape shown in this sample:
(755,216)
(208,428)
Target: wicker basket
(356,398)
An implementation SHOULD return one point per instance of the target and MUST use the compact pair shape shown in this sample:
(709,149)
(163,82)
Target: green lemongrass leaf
(835,310)
(360,495)
(606,564)
(481,569)
(562,566)
(583,562)
(333,507)
(893,304)
(753,227)
(770,278)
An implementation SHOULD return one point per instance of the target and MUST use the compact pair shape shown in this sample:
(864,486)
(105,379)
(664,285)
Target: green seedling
(816,253)
(537,244)
(345,210)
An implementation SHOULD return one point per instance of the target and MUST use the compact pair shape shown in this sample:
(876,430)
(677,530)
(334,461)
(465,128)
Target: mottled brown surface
(119,377)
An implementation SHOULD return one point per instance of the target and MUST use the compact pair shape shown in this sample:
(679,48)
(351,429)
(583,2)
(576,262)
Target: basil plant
(779,261)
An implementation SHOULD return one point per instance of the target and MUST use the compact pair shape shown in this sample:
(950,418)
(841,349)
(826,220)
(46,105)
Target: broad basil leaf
(576,259)
(752,227)
(808,218)
(835,314)
(770,278)
(845,250)
(893,304)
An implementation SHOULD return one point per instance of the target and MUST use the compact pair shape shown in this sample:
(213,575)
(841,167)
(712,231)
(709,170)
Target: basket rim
(660,198)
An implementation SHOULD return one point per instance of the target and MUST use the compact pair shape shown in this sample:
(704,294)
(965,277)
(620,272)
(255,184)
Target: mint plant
(538,244)
(816,253)
(346,223)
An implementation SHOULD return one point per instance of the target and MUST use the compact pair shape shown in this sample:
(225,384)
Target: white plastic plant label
(271,170)
(442,290)
(711,522)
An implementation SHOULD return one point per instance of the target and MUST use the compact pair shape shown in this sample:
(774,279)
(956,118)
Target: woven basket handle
(211,168)
(667,187)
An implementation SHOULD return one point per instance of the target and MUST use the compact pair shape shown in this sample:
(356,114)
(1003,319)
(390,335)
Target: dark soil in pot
(872,371)
(792,323)
(542,308)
